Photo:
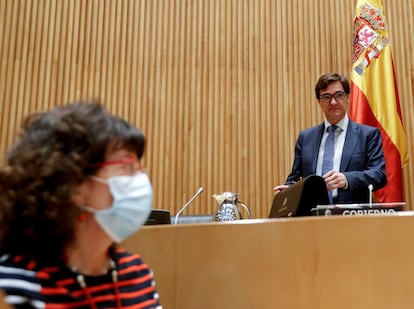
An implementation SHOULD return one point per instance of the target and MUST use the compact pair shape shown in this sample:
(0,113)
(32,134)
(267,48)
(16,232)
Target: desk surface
(312,262)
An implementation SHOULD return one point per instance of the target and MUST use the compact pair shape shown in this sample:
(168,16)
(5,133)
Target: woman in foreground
(72,188)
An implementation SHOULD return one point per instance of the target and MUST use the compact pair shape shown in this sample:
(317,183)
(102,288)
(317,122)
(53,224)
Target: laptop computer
(159,216)
(300,198)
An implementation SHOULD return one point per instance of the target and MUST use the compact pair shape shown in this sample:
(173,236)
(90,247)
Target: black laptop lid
(300,198)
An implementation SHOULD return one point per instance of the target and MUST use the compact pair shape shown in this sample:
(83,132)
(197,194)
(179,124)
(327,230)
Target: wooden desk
(314,262)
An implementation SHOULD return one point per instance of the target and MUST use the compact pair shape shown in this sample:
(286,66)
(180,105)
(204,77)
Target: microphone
(370,188)
(199,191)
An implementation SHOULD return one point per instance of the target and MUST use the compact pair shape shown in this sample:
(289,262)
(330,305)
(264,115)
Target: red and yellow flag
(374,94)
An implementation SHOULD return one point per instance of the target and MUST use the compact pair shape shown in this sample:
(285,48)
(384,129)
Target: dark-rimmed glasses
(339,96)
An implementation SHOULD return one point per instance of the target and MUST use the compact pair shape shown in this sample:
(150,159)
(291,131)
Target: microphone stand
(370,188)
(199,191)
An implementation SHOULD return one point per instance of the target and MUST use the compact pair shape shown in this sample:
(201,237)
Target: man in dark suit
(358,158)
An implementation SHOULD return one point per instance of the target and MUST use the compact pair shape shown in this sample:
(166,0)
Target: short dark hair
(328,78)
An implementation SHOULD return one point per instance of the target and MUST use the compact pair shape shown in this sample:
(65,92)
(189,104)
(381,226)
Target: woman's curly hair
(53,155)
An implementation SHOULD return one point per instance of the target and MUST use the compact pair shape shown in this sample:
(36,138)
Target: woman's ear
(80,194)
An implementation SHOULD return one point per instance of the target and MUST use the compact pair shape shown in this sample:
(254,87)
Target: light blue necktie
(329,153)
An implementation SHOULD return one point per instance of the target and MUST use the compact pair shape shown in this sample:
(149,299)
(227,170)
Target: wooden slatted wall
(221,88)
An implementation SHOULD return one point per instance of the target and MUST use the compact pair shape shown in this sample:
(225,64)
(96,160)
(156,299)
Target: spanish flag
(374,94)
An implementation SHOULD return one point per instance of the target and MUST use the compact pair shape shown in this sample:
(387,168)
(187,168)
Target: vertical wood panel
(220,88)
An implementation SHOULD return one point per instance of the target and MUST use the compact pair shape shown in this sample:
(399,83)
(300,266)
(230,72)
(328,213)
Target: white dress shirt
(340,134)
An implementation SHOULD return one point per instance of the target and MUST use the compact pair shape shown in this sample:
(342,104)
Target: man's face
(334,102)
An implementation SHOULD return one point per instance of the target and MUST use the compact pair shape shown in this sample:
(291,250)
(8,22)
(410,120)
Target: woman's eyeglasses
(129,165)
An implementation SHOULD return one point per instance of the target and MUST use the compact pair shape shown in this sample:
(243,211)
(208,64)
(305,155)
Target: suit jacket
(362,161)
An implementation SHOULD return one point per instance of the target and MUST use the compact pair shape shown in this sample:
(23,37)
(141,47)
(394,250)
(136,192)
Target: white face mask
(131,206)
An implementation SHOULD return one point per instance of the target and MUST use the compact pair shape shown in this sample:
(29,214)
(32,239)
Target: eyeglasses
(339,96)
(128,166)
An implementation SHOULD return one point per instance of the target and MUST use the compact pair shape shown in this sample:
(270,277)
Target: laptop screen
(300,198)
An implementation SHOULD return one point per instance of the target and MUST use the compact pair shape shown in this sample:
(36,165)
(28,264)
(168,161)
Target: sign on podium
(358,209)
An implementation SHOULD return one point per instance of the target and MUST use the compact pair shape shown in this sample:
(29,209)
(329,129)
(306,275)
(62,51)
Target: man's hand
(280,188)
(335,180)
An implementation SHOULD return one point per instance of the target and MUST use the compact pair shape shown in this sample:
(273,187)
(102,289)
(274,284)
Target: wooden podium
(306,262)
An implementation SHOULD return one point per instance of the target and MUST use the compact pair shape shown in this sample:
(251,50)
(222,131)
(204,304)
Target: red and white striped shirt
(29,285)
